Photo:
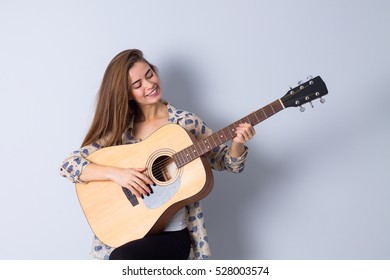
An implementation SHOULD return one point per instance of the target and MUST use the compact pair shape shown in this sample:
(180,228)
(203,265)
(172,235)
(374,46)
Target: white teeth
(153,92)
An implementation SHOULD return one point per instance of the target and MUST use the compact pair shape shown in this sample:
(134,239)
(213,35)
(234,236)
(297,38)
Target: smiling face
(145,88)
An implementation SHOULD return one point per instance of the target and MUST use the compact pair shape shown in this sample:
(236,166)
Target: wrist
(110,173)
(236,149)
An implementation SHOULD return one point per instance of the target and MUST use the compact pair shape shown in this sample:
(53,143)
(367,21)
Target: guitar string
(252,118)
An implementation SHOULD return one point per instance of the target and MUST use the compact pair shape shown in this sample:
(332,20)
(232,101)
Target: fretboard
(205,145)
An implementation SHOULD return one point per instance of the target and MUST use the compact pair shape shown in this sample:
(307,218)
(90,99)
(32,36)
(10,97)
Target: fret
(265,115)
(203,148)
(194,149)
(190,153)
(232,130)
(185,154)
(248,119)
(206,144)
(215,143)
(200,148)
(224,135)
(257,117)
(176,158)
(272,108)
(182,159)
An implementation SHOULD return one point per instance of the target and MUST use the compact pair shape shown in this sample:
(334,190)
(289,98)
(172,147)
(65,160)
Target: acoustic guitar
(174,161)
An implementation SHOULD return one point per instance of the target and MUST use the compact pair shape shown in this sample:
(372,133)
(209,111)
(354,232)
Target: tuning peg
(322,100)
(311,104)
(309,77)
(302,109)
(300,82)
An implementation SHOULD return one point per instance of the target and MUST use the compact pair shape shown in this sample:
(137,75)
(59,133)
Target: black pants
(169,245)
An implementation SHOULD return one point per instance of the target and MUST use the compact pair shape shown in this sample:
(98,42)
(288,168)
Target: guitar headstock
(305,92)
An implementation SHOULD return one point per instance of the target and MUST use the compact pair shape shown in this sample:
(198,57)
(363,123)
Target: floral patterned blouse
(219,159)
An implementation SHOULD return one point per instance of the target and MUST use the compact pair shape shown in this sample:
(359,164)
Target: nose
(148,84)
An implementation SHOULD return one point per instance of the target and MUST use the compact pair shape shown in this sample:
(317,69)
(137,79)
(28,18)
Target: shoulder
(178,115)
(188,120)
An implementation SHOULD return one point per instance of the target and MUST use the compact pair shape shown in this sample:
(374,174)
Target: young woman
(130,108)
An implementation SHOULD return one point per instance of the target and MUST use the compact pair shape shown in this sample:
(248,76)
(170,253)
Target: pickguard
(161,194)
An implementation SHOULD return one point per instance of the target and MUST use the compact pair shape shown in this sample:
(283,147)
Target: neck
(149,113)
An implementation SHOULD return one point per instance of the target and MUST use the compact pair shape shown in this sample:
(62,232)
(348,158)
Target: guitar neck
(205,145)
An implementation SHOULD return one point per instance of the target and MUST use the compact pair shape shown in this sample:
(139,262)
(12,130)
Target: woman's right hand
(133,179)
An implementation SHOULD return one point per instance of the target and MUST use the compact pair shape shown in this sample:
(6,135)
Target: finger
(146,179)
(142,186)
(240,138)
(140,169)
(137,190)
(140,174)
(134,190)
(244,127)
(244,133)
(250,130)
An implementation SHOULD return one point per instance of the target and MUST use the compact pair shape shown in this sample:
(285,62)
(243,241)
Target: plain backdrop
(316,184)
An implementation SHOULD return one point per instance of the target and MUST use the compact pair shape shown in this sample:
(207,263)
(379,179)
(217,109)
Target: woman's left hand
(245,132)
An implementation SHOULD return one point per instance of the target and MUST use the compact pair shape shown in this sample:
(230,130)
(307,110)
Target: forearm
(131,178)
(96,172)
(236,149)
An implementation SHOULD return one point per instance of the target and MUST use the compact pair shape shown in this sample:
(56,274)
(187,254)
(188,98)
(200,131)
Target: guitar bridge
(130,196)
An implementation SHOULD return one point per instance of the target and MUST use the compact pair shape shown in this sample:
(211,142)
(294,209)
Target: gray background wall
(316,184)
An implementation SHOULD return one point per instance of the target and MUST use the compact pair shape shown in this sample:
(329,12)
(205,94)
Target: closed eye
(149,74)
(136,84)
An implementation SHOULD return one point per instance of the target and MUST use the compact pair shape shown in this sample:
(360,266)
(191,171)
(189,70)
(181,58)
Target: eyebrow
(147,72)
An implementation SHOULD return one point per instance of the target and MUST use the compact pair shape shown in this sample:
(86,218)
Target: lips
(153,93)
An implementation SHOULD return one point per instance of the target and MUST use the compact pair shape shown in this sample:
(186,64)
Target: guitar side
(113,217)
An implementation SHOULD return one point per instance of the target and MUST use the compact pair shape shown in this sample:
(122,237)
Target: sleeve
(219,158)
(75,163)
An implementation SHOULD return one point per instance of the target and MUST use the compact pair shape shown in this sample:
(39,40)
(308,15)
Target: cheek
(136,93)
(155,79)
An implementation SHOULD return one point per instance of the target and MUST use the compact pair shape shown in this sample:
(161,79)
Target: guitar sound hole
(164,168)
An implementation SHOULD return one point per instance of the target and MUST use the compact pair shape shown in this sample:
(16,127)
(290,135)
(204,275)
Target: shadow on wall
(225,205)
(233,196)
(178,85)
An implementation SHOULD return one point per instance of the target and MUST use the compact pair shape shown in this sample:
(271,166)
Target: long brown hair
(114,110)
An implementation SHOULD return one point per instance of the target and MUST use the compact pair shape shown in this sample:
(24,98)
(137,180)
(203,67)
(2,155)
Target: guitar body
(115,215)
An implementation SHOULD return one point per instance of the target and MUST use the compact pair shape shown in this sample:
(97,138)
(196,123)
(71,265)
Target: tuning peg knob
(311,104)
(302,109)
(322,100)
(309,77)
(300,82)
